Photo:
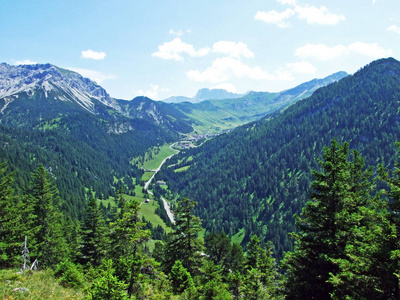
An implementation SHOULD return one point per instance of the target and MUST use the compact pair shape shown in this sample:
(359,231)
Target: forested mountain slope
(84,137)
(256,177)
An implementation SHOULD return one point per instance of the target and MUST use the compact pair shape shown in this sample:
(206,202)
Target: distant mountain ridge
(204,94)
(233,112)
(253,179)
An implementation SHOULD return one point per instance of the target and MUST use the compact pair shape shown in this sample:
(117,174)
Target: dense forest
(81,150)
(347,243)
(256,177)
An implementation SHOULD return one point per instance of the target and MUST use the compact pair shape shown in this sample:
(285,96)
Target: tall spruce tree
(183,243)
(94,235)
(392,257)
(50,246)
(339,194)
(13,226)
(127,237)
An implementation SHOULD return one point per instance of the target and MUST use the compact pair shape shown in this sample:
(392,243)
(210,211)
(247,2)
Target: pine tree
(338,219)
(183,243)
(260,267)
(180,278)
(50,242)
(127,236)
(94,232)
(12,225)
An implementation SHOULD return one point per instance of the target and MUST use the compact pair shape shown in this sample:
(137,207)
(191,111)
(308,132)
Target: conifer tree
(12,225)
(260,267)
(183,243)
(127,236)
(338,219)
(50,242)
(94,243)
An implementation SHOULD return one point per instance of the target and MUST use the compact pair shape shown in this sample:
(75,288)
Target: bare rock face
(62,84)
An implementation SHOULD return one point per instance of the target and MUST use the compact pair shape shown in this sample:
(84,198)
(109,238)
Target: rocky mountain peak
(63,84)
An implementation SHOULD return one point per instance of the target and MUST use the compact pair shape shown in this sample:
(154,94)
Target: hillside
(234,110)
(255,178)
(85,138)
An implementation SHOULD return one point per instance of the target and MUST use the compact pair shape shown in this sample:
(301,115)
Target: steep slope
(67,85)
(255,178)
(231,112)
(56,117)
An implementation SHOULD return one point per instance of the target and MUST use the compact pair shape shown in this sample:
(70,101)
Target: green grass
(147,210)
(181,169)
(238,237)
(147,175)
(154,163)
(40,285)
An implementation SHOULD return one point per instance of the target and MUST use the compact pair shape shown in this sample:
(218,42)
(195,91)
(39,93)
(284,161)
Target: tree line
(347,243)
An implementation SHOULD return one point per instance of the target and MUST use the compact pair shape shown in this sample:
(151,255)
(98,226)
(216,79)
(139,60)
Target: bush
(69,275)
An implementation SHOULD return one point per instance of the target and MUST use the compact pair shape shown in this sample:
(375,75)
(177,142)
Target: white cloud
(177,33)
(314,15)
(96,76)
(324,52)
(25,62)
(232,49)
(309,13)
(320,51)
(274,17)
(301,67)
(226,86)
(152,93)
(173,50)
(393,28)
(90,54)
(372,50)
(225,68)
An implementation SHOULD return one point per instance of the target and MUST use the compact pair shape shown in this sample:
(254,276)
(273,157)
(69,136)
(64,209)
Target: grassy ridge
(40,285)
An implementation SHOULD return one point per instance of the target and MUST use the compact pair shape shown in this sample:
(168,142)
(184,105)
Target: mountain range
(87,139)
(253,179)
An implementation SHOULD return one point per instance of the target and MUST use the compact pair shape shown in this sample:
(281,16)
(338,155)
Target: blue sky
(175,47)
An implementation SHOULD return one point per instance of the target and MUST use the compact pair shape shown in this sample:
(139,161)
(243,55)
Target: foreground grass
(38,285)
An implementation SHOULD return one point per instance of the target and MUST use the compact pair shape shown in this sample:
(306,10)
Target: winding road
(166,204)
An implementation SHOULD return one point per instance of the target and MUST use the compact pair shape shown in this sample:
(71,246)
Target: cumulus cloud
(314,15)
(393,28)
(25,62)
(225,68)
(232,49)
(309,13)
(90,54)
(173,50)
(276,18)
(301,67)
(324,52)
(226,86)
(152,93)
(96,76)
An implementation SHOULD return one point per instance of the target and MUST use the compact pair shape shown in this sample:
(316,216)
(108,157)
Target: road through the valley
(166,204)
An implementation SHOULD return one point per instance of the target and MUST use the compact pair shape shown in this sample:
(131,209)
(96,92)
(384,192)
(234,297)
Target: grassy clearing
(147,175)
(157,158)
(147,210)
(238,237)
(181,169)
(39,285)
